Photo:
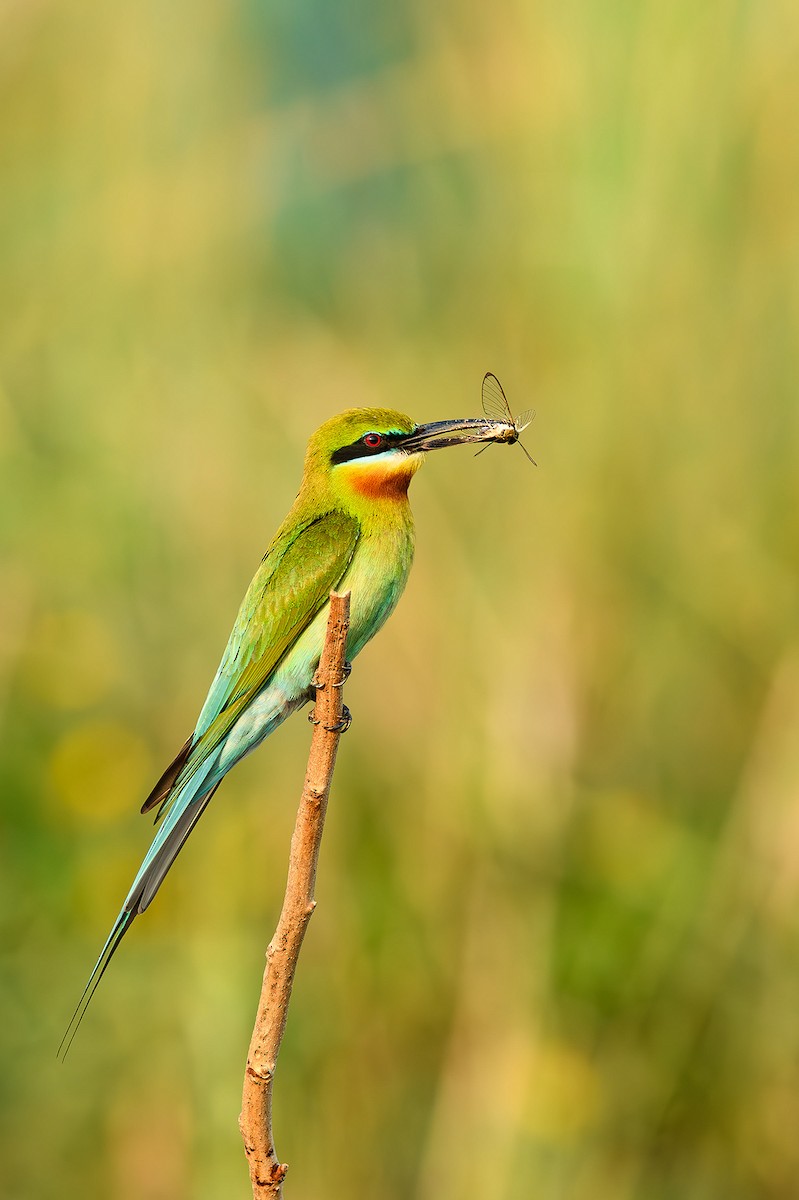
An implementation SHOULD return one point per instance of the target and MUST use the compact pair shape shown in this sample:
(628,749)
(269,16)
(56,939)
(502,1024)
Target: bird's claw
(340,726)
(319,686)
(347,669)
(343,725)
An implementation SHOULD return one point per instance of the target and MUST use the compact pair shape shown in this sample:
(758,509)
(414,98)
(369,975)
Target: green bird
(350,527)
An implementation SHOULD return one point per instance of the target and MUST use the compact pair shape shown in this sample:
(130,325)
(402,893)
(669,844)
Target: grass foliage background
(556,949)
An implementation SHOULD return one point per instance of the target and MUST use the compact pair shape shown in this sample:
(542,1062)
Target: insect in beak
(496,408)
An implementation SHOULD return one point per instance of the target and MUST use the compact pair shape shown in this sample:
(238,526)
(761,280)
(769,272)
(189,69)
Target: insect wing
(523,420)
(496,408)
(495,404)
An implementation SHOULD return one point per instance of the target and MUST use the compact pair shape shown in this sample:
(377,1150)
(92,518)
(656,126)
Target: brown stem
(266,1170)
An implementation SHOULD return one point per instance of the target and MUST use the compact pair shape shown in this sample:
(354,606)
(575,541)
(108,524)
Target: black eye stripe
(359,449)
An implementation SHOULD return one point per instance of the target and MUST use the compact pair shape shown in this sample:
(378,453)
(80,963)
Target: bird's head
(375,452)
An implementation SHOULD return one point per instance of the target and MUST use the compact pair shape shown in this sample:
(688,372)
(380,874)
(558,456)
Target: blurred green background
(556,952)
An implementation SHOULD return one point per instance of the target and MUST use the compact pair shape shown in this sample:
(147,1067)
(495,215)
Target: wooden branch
(266,1170)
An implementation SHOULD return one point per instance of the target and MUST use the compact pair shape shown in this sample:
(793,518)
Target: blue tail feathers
(121,926)
(178,822)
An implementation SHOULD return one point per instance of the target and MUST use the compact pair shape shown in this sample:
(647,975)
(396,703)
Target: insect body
(497,409)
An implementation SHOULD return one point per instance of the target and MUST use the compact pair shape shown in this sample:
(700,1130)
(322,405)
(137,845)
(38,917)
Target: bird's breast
(377,577)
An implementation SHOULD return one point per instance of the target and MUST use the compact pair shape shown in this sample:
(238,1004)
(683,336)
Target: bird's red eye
(372,440)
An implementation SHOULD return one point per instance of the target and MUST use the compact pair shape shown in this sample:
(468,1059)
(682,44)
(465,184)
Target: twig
(266,1170)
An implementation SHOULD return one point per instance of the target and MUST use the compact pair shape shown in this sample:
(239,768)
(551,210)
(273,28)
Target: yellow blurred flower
(564,1094)
(98,770)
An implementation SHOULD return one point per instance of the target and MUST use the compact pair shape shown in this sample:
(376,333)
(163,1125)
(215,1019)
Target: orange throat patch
(384,480)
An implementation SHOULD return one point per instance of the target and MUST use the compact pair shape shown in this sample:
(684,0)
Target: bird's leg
(343,725)
(310,696)
(316,686)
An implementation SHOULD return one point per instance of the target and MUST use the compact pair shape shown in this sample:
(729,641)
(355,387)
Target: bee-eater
(350,527)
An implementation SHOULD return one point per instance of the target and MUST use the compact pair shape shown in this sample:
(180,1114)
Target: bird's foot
(340,726)
(343,725)
(318,686)
(347,672)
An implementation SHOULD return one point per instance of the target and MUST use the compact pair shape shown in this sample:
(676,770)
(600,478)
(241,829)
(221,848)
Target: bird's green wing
(290,587)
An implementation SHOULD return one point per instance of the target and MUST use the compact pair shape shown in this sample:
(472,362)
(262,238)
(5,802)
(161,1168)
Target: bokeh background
(556,952)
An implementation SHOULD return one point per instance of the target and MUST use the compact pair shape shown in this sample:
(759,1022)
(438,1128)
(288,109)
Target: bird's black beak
(439,434)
